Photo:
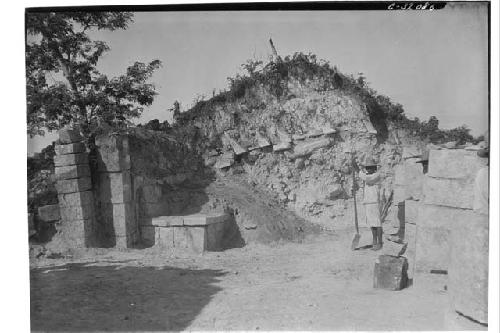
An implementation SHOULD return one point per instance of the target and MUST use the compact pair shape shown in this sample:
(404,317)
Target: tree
(58,42)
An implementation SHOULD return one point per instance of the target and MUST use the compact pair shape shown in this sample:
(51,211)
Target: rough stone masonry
(74,188)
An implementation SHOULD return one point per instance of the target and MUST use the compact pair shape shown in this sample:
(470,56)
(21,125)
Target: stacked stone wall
(75,229)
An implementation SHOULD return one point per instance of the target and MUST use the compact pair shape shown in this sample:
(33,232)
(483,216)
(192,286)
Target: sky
(435,63)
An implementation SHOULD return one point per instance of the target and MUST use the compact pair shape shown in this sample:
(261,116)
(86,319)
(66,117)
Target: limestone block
(391,272)
(67,135)
(298,137)
(410,175)
(165,237)
(115,187)
(237,148)
(76,199)
(282,146)
(71,159)
(48,213)
(112,153)
(121,216)
(72,148)
(308,147)
(454,163)
(151,193)
(167,221)
(74,213)
(399,194)
(468,269)
(433,235)
(200,220)
(262,141)
(283,136)
(329,131)
(369,127)
(442,217)
(225,160)
(449,192)
(75,234)
(411,211)
(432,249)
(72,171)
(73,185)
(190,239)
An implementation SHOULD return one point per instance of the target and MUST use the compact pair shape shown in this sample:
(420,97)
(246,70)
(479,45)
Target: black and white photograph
(281,166)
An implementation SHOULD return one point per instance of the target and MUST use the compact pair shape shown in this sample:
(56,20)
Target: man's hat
(424,158)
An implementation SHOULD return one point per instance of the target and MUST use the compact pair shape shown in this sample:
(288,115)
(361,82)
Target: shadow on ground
(77,297)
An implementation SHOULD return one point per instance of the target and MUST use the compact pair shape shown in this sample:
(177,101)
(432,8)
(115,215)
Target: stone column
(74,188)
(116,208)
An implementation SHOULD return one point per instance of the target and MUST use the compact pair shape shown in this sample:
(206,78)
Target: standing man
(371,196)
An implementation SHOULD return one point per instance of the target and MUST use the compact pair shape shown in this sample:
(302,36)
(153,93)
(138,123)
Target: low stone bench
(196,233)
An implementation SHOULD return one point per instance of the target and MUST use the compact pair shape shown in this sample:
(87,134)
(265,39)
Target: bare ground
(315,285)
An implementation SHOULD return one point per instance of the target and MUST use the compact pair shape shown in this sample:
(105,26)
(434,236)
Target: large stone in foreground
(454,163)
(71,159)
(73,185)
(72,171)
(457,193)
(468,269)
(391,273)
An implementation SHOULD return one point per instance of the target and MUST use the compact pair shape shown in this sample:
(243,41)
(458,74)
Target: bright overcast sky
(432,62)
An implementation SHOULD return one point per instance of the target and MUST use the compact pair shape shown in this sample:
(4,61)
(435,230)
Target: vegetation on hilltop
(275,76)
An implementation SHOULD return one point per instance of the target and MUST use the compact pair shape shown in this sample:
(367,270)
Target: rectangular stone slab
(76,199)
(432,249)
(457,193)
(200,219)
(71,159)
(74,213)
(73,185)
(75,234)
(121,216)
(115,187)
(390,273)
(72,148)
(72,171)
(49,213)
(167,221)
(468,269)
(454,163)
(308,147)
